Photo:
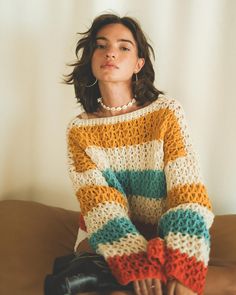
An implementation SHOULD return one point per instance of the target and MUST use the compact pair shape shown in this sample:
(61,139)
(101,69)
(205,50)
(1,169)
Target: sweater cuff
(187,270)
(136,266)
(156,251)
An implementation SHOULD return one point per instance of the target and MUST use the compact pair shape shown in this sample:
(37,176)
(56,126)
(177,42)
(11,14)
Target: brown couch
(33,234)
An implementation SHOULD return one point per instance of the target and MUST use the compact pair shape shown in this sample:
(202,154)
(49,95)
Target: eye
(100,46)
(123,48)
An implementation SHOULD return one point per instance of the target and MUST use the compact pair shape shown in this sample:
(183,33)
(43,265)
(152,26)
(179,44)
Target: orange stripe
(93,195)
(185,269)
(137,131)
(188,193)
(136,266)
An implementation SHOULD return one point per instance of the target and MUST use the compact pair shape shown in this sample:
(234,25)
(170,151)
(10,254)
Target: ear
(139,65)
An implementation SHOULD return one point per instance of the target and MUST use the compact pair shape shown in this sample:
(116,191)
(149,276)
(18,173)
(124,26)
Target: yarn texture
(142,199)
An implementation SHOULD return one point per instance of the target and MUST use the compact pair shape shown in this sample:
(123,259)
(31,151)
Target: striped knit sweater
(143,202)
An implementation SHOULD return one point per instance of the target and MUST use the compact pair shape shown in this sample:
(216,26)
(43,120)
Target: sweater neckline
(119,118)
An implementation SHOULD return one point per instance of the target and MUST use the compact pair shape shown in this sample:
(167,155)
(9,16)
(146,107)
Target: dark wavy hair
(82,75)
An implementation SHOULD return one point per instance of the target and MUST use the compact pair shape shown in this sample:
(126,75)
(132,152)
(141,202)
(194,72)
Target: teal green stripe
(147,183)
(184,222)
(112,231)
(114,181)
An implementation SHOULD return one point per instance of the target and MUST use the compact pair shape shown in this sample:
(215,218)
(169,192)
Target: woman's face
(115,58)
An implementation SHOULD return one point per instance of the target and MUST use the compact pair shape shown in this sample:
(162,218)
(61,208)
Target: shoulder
(85,115)
(173,111)
(169,103)
(172,106)
(81,119)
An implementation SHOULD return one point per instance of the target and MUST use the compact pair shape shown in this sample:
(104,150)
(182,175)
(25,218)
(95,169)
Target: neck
(114,95)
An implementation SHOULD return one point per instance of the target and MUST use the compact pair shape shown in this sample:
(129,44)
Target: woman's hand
(148,287)
(176,288)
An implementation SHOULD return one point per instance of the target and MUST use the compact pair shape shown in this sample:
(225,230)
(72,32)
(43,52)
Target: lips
(109,65)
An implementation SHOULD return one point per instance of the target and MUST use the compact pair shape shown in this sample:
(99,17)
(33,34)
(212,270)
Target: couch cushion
(223,237)
(32,235)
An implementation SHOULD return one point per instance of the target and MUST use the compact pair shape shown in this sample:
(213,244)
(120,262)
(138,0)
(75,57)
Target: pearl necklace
(124,107)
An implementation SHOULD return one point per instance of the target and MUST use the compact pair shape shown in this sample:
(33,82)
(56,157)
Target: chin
(112,79)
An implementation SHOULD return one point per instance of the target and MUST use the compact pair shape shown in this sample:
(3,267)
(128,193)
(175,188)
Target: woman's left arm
(188,217)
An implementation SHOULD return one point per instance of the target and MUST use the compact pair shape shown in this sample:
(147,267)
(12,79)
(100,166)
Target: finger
(143,287)
(137,288)
(171,287)
(157,287)
(150,286)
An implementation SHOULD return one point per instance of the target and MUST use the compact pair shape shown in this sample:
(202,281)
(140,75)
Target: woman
(143,204)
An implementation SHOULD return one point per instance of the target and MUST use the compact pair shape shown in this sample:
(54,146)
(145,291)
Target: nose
(110,53)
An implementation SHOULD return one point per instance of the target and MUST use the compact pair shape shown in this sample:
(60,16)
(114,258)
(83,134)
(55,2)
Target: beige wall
(196,61)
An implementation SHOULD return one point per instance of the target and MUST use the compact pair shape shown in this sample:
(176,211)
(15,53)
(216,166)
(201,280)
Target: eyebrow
(119,40)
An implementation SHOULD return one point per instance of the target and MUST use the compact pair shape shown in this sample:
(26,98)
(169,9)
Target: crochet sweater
(143,202)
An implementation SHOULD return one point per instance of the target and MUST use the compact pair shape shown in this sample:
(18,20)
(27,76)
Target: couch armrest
(32,236)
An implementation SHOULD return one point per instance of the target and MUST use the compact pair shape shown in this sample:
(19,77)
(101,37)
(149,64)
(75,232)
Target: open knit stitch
(138,171)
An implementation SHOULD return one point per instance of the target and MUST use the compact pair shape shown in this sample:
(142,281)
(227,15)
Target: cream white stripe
(80,237)
(128,157)
(192,246)
(203,211)
(177,108)
(101,214)
(184,170)
(160,103)
(146,210)
(125,246)
(89,177)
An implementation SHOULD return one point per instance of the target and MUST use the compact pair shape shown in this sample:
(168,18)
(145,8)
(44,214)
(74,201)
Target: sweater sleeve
(188,217)
(104,206)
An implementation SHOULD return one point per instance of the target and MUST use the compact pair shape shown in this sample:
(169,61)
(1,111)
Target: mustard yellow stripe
(188,193)
(91,196)
(120,134)
(174,146)
(77,156)
(137,131)
(163,124)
